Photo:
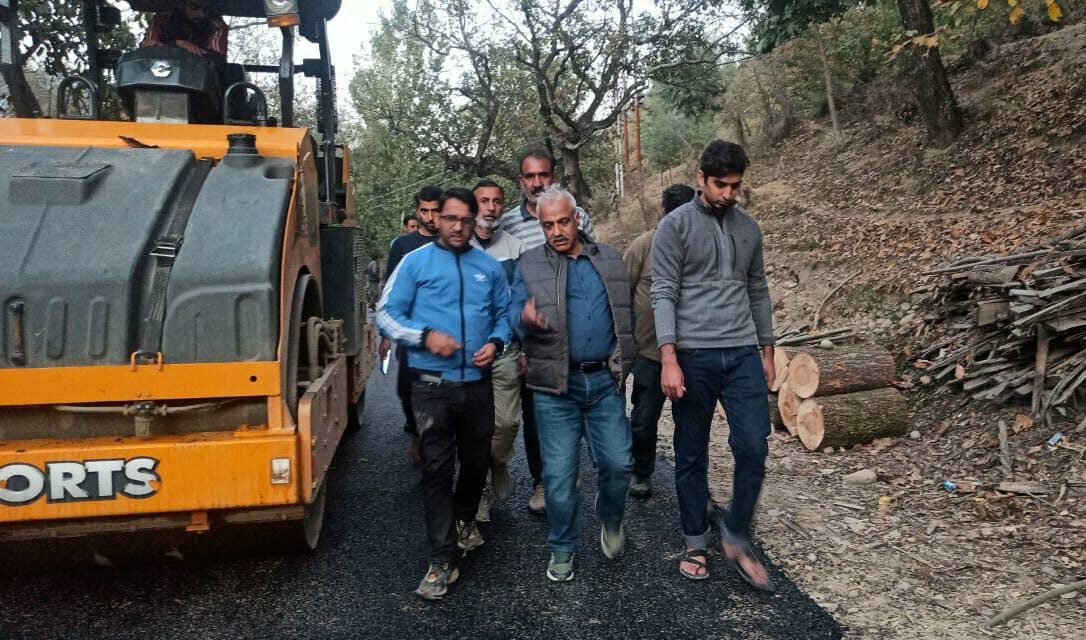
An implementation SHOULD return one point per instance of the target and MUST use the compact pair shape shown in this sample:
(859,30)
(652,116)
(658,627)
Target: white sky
(348,34)
(350,30)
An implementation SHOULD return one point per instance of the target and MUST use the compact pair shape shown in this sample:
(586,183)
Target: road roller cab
(170,84)
(184,335)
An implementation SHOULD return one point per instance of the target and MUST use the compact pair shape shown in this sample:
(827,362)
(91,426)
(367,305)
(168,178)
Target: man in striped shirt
(536,174)
(522,221)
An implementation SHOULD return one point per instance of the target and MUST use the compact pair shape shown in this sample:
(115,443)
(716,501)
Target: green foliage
(693,91)
(782,20)
(386,173)
(470,83)
(52,33)
(671,137)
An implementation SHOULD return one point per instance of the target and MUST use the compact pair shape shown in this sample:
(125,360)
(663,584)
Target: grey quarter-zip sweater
(709,289)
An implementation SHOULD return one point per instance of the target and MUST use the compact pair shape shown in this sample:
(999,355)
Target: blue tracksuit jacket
(463,294)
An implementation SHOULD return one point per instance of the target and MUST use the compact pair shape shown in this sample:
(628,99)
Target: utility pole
(625,139)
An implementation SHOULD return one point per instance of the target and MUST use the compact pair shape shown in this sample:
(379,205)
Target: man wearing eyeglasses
(447,304)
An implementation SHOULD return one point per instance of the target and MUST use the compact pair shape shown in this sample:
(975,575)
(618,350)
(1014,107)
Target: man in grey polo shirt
(714,325)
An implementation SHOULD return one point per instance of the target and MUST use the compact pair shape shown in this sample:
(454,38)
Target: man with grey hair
(571,308)
(536,165)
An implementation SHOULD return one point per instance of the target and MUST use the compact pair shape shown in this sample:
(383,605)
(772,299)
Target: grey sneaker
(537,504)
(613,542)
(640,488)
(560,567)
(502,481)
(435,584)
(483,514)
(468,537)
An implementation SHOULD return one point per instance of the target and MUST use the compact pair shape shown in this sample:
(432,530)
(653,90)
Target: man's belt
(434,377)
(588,367)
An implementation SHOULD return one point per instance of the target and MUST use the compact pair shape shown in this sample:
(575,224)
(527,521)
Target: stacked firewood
(837,396)
(1013,326)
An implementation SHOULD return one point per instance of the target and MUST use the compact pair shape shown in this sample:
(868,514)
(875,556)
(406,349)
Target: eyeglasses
(454,220)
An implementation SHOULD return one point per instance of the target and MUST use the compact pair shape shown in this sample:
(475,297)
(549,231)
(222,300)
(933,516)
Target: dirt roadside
(904,558)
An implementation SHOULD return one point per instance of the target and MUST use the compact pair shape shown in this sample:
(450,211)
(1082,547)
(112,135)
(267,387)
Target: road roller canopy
(322,9)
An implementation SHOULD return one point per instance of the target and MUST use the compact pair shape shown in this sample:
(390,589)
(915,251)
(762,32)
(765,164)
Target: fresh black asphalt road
(372,555)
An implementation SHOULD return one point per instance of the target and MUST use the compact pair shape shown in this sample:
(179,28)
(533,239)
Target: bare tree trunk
(22,96)
(740,130)
(572,175)
(829,81)
(767,119)
(934,96)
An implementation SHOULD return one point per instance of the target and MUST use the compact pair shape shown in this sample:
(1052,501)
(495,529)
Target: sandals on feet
(745,551)
(698,558)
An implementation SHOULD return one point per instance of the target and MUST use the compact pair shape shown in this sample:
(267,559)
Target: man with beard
(506,249)
(571,303)
(536,174)
(447,304)
(426,210)
(714,325)
(410,223)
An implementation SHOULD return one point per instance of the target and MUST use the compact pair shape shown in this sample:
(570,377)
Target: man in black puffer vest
(571,304)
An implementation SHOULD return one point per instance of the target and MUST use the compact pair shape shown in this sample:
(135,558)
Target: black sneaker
(435,584)
(468,537)
(640,488)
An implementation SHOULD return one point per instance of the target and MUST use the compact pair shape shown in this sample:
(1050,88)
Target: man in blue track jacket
(447,304)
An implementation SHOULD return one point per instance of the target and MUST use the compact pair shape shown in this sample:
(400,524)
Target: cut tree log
(780,365)
(788,405)
(843,369)
(775,413)
(803,375)
(851,418)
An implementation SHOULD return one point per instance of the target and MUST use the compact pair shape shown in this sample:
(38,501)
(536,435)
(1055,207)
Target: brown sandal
(698,558)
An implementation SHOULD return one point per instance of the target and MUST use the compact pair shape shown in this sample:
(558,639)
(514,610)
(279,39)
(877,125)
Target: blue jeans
(735,377)
(591,408)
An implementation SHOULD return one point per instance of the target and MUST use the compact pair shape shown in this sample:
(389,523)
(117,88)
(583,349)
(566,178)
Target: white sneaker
(613,544)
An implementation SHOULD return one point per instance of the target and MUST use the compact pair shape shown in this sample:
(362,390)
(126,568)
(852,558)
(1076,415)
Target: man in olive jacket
(571,307)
